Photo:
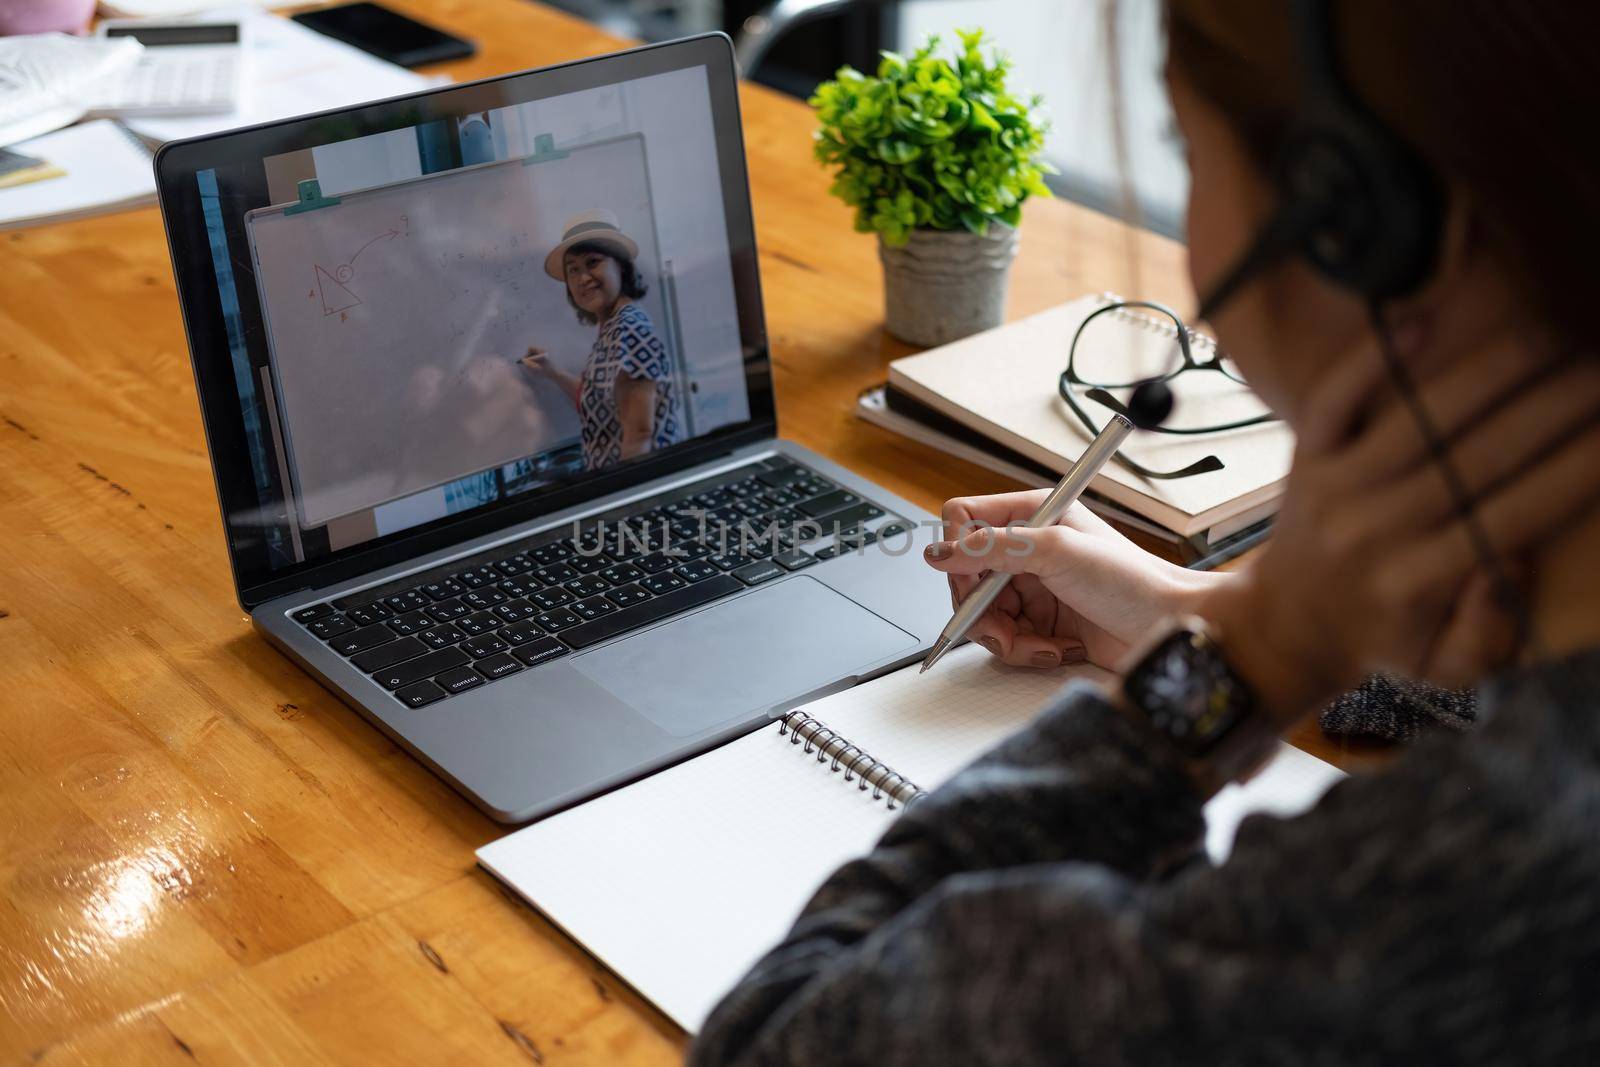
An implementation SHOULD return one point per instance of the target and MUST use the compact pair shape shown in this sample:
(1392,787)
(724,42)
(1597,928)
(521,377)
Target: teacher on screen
(626,398)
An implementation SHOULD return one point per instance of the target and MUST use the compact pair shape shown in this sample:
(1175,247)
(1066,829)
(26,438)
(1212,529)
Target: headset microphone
(1150,405)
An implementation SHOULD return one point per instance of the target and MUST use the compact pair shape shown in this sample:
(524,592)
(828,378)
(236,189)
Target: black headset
(1354,200)
(1367,212)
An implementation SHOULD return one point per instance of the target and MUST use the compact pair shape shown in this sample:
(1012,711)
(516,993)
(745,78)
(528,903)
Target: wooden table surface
(205,855)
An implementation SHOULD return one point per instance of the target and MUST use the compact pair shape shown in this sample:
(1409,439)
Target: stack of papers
(48,80)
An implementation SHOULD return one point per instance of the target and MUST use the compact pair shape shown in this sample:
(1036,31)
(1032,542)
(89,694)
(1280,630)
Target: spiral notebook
(681,881)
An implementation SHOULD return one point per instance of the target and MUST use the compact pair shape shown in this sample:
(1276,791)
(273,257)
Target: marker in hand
(1071,486)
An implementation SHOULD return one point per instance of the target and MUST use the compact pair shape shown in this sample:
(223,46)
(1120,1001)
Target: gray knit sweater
(1051,904)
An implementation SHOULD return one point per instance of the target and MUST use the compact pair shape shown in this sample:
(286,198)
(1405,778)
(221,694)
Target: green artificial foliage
(931,144)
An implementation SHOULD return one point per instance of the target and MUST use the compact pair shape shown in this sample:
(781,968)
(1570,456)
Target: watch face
(1188,692)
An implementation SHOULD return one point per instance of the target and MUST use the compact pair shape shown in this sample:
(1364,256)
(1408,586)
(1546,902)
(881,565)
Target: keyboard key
(621,574)
(756,573)
(448,610)
(552,552)
(590,564)
(794,559)
(852,516)
(516,610)
(330,626)
(665,582)
(519,633)
(376,659)
(519,586)
(696,571)
(478,577)
(588,585)
(559,619)
(728,562)
(415,622)
(552,598)
(410,600)
(555,574)
(661,607)
(313,613)
(896,528)
(593,608)
(786,476)
(687,550)
(479,622)
(420,694)
(514,565)
(458,680)
(366,614)
(424,666)
(829,551)
(497,666)
(627,595)
(828,503)
(443,589)
(486,645)
(360,640)
(656,563)
(440,636)
(541,651)
(484,598)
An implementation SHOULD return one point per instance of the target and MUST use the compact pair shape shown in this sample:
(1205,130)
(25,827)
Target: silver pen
(1071,486)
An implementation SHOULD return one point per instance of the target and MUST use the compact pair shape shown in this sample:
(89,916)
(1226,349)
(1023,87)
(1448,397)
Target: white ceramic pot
(943,285)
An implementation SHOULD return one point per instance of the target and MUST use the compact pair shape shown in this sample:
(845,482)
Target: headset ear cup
(1375,210)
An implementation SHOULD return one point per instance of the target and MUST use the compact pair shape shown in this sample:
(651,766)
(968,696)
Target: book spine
(858,766)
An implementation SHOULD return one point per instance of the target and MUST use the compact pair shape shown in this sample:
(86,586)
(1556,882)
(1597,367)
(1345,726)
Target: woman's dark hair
(633,284)
(1494,95)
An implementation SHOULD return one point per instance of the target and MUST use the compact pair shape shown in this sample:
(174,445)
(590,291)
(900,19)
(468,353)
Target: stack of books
(993,399)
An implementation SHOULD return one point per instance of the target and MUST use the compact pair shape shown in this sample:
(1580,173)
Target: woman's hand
(1370,567)
(1081,589)
(537,361)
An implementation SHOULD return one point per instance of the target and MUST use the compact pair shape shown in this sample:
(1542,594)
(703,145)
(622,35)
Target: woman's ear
(1464,275)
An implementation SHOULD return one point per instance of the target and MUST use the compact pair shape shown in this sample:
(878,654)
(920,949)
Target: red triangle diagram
(335,297)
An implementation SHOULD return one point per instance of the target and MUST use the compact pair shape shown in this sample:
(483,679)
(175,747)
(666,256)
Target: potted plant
(937,158)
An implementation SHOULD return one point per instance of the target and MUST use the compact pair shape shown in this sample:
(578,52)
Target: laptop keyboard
(430,636)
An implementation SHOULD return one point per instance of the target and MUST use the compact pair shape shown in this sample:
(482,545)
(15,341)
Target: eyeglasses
(1090,364)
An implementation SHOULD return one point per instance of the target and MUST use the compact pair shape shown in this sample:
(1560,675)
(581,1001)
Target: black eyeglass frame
(1099,391)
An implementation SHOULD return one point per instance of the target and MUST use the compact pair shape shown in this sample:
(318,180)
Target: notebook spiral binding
(886,784)
(1150,323)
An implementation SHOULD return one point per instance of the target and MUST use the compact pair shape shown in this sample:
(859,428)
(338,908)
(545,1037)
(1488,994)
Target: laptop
(487,391)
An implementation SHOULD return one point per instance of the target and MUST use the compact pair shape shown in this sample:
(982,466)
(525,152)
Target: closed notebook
(1003,384)
(681,881)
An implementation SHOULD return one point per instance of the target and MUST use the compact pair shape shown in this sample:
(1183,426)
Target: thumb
(1013,550)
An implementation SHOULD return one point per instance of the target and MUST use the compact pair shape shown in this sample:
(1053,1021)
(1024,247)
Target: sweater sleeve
(1390,708)
(1050,904)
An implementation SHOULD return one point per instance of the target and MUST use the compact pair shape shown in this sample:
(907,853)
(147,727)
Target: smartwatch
(1180,686)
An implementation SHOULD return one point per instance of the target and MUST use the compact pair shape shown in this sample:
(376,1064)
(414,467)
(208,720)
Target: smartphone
(386,34)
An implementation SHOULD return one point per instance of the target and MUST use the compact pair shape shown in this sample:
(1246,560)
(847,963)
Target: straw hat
(599,227)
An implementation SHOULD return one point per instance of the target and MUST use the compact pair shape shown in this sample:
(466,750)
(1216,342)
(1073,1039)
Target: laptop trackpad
(743,655)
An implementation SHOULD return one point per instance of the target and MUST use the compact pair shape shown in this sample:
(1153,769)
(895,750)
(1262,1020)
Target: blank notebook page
(681,881)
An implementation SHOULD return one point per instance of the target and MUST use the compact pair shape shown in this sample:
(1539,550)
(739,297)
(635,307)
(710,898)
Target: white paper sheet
(680,882)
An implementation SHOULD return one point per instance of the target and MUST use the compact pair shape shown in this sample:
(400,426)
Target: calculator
(187,68)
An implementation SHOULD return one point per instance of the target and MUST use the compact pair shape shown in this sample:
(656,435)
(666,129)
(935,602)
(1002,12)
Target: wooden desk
(206,855)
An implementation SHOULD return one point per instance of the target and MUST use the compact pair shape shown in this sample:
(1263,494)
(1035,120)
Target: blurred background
(1060,48)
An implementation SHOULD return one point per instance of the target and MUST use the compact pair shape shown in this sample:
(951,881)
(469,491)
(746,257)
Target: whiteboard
(395,317)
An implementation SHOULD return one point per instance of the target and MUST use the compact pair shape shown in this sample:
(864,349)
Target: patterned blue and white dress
(627,344)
